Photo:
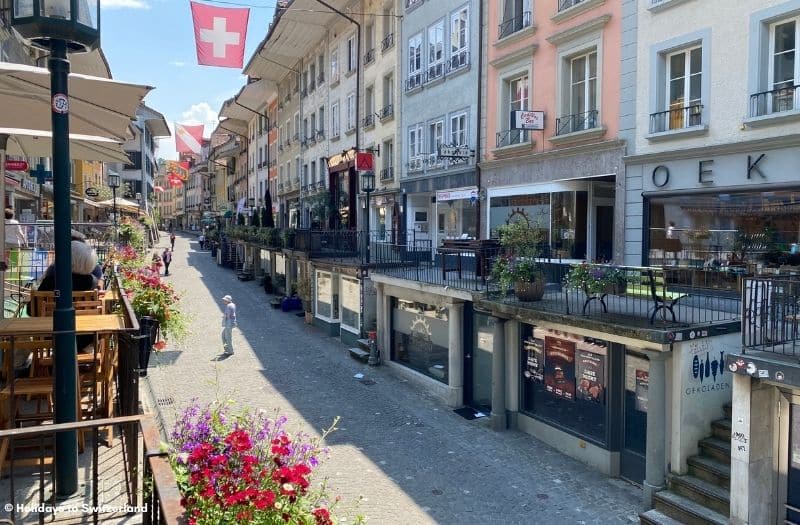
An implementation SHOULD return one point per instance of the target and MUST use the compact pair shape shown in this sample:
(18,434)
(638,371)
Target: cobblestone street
(410,458)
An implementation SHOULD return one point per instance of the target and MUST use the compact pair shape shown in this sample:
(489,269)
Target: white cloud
(124,4)
(177,63)
(196,114)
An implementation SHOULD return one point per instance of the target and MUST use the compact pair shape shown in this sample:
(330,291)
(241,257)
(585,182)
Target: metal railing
(514,24)
(387,173)
(771,314)
(414,81)
(386,111)
(368,120)
(579,122)
(413,3)
(511,137)
(415,164)
(435,71)
(458,61)
(369,57)
(566,4)
(676,118)
(387,42)
(775,101)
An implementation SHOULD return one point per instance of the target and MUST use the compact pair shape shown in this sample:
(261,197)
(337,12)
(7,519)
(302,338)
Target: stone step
(359,353)
(685,510)
(655,517)
(722,429)
(717,449)
(363,343)
(728,408)
(711,470)
(700,491)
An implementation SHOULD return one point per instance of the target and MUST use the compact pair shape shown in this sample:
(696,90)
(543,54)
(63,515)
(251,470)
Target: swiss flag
(219,34)
(189,139)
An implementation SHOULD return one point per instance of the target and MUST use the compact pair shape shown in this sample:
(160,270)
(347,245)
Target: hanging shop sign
(527,120)
(16,165)
(454,152)
(92,192)
(364,161)
(454,195)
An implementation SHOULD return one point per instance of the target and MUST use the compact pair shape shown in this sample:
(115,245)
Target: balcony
(296,137)
(304,143)
(515,24)
(782,100)
(458,61)
(415,164)
(311,140)
(320,134)
(280,147)
(563,5)
(679,118)
(387,174)
(577,123)
(369,57)
(387,43)
(435,71)
(411,4)
(414,81)
(368,121)
(433,161)
(511,137)
(334,79)
(321,78)
(386,112)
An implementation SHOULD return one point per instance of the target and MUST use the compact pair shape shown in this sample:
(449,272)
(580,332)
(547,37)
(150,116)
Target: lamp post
(367,186)
(60,26)
(114,180)
(251,202)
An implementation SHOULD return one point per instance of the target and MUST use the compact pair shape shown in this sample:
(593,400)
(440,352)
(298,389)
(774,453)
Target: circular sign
(732,366)
(16,165)
(60,103)
(92,192)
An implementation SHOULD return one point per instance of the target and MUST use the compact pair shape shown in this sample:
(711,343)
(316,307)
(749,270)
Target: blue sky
(152,42)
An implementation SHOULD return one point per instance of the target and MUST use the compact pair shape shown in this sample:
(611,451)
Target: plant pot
(309,317)
(372,335)
(615,288)
(148,335)
(529,291)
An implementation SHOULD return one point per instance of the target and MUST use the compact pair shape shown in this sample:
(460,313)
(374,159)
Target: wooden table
(84,324)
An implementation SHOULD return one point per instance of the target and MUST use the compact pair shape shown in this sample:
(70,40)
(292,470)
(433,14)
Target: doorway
(634,417)
(604,236)
(478,365)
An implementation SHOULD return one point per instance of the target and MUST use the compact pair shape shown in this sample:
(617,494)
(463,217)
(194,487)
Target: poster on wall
(642,387)
(534,361)
(559,370)
(590,372)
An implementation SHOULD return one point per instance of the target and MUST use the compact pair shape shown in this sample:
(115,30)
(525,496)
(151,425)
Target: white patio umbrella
(33,143)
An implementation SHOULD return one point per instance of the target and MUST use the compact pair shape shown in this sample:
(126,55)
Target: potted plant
(305,293)
(518,267)
(595,279)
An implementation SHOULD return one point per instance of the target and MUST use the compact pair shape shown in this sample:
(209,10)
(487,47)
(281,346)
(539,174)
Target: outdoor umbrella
(34,143)
(266,214)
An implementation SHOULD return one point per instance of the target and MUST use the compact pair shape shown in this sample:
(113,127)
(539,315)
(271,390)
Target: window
(420,338)
(288,131)
(388,21)
(321,68)
(297,126)
(414,61)
(369,106)
(387,160)
(581,109)
(321,128)
(459,39)
(327,296)
(388,96)
(298,168)
(458,129)
(313,171)
(351,112)
(305,129)
(436,50)
(335,119)
(351,304)
(305,175)
(683,93)
(352,54)
(784,67)
(313,126)
(516,16)
(435,136)
(415,134)
(312,76)
(323,172)
(515,97)
(334,65)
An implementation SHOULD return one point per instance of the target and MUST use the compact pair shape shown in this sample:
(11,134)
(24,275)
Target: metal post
(66,367)
(366,227)
(116,229)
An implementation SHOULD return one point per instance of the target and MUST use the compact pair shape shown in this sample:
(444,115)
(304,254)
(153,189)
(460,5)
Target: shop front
(343,191)
(714,218)
(385,218)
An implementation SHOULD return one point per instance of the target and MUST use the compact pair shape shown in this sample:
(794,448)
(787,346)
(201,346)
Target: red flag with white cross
(219,34)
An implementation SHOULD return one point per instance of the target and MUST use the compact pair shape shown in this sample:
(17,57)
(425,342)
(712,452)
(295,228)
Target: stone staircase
(701,497)
(361,352)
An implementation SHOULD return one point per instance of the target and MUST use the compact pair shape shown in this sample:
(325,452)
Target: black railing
(414,81)
(677,118)
(386,111)
(511,137)
(771,314)
(369,57)
(579,122)
(566,4)
(514,24)
(320,133)
(387,173)
(368,120)
(775,101)
(387,42)
(457,61)
(435,71)
(413,3)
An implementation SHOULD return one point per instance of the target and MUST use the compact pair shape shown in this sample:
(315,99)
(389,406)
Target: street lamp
(60,26)
(114,181)
(367,186)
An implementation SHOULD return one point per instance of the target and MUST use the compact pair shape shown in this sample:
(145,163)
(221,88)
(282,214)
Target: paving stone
(410,458)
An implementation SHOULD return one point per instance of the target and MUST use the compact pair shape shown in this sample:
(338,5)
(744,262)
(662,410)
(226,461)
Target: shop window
(351,304)
(327,297)
(564,380)
(420,338)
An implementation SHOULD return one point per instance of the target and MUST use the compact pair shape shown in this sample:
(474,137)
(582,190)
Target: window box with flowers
(596,281)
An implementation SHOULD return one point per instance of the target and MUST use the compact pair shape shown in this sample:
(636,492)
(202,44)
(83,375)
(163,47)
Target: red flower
(265,499)
(160,345)
(322,516)
(239,441)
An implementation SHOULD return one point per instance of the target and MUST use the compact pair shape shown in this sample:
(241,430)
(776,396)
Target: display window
(327,297)
(351,304)
(564,380)
(420,338)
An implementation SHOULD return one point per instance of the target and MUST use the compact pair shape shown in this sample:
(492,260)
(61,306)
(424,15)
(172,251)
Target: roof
(154,120)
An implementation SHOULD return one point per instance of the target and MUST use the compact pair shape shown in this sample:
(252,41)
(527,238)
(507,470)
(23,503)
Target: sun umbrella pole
(3,146)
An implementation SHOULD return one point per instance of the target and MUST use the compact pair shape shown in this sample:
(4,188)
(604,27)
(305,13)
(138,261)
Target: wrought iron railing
(387,42)
(676,118)
(414,81)
(457,61)
(369,57)
(413,3)
(514,24)
(775,101)
(387,173)
(579,122)
(386,111)
(415,164)
(566,4)
(368,120)
(435,71)
(771,314)
(511,137)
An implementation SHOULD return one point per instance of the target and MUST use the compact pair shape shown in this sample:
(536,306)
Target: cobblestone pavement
(410,458)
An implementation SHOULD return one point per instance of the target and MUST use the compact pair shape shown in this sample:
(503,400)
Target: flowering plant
(596,278)
(154,298)
(243,468)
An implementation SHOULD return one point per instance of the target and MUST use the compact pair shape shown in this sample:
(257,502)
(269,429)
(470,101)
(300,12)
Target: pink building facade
(561,59)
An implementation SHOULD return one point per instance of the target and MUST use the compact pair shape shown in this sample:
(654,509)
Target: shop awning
(98,106)
(33,143)
(122,204)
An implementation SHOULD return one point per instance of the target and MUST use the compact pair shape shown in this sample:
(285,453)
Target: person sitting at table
(98,270)
(84,261)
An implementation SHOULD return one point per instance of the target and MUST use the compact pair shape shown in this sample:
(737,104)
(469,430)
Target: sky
(152,42)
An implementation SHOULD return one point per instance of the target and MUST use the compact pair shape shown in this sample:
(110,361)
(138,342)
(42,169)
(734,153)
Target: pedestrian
(172,240)
(228,323)
(167,258)
(202,239)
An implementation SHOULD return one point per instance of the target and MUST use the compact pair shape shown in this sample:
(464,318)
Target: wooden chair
(43,303)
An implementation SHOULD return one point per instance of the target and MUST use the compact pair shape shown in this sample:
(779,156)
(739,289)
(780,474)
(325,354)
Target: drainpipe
(478,213)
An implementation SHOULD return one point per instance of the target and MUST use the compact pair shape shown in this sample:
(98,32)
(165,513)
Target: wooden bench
(650,284)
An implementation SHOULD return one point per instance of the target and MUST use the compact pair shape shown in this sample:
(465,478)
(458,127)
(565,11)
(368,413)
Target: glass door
(634,413)
(478,366)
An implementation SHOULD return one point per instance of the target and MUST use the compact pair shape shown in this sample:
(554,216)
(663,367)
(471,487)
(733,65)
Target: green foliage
(596,278)
(518,264)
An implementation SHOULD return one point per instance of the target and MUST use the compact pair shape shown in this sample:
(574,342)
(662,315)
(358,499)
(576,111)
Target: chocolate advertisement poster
(642,388)
(590,372)
(534,358)
(559,367)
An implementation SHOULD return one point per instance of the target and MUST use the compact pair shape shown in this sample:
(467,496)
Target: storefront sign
(443,196)
(454,152)
(705,367)
(559,368)
(530,120)
(364,161)
(590,372)
(92,192)
(534,361)
(30,186)
(16,165)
